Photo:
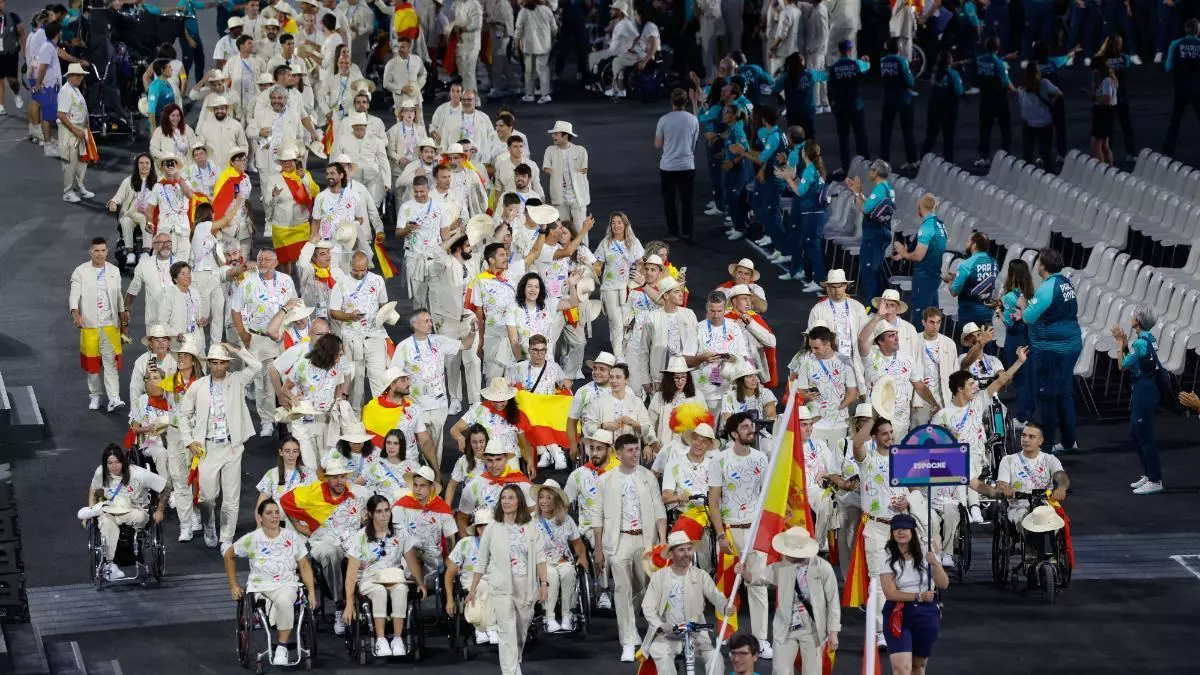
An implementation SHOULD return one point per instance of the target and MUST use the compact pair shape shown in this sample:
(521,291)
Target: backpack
(883,211)
(1166,381)
(824,195)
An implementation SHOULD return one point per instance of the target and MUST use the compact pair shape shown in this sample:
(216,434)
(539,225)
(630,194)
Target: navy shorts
(47,98)
(919,631)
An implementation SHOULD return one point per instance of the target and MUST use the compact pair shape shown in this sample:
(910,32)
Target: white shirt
(364,295)
(741,479)
(316,385)
(273,562)
(136,489)
(71,102)
(557,538)
(47,55)
(831,378)
(430,218)
(425,361)
(966,422)
(727,337)
(259,299)
(1029,475)
(903,371)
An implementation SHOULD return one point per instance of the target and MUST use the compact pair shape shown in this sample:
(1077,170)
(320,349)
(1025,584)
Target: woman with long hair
(911,613)
(618,253)
(811,216)
(288,473)
(1104,104)
(119,494)
(512,560)
(387,473)
(1018,284)
(173,136)
(470,463)
(316,379)
(798,86)
(380,546)
(747,395)
(564,550)
(942,114)
(131,202)
(354,447)
(529,316)
(1038,97)
(675,388)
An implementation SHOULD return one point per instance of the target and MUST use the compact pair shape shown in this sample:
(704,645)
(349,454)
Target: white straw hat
(893,295)
(795,542)
(387,314)
(561,127)
(498,390)
(836,277)
(542,215)
(748,264)
(1043,519)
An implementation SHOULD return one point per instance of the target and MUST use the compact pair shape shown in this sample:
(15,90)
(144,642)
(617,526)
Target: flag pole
(788,412)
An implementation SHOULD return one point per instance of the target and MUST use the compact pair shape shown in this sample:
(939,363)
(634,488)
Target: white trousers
(848,518)
(816,61)
(463,364)
(329,555)
(823,512)
(312,437)
(209,284)
(571,342)
(563,584)
(108,370)
(178,464)
(466,60)
(756,595)
(265,350)
(803,642)
(629,582)
(513,614)
(221,477)
(664,651)
(379,595)
(436,422)
(574,212)
(369,356)
(945,524)
(500,71)
(281,606)
(110,528)
(128,225)
(69,147)
(537,65)
(614,309)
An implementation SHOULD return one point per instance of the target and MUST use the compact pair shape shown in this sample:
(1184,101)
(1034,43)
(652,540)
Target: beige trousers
(221,477)
(110,528)
(756,595)
(108,369)
(664,651)
(537,65)
(281,606)
(629,582)
(803,642)
(74,169)
(513,614)
(209,284)
(563,583)
(379,595)
(615,312)
(178,464)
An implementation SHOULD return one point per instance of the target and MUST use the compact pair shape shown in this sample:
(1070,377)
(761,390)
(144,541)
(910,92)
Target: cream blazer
(282,209)
(173,311)
(649,502)
(823,592)
(220,138)
(506,177)
(574,159)
(126,199)
(400,72)
(145,278)
(84,290)
(493,548)
(654,333)
(161,146)
(947,363)
(193,417)
(698,586)
(823,311)
(604,410)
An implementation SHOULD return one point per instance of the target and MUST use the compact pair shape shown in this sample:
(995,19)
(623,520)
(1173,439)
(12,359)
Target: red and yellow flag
(571,316)
(692,522)
(193,478)
(827,656)
(768,352)
(435,504)
(312,504)
(288,240)
(786,502)
(387,268)
(380,416)
(510,476)
(229,185)
(544,417)
(470,299)
(89,347)
(645,663)
(405,22)
(724,577)
(1062,513)
(327,138)
(854,594)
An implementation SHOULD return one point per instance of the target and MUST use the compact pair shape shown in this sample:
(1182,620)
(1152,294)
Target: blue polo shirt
(882,191)
(1053,316)
(808,189)
(845,74)
(1183,61)
(932,234)
(975,279)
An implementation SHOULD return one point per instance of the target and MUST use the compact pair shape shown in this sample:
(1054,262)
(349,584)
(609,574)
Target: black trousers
(1043,138)
(681,184)
(890,112)
(940,119)
(848,119)
(1126,123)
(994,108)
(1180,106)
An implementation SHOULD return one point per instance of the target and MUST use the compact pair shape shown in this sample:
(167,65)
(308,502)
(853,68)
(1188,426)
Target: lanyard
(384,463)
(724,331)
(358,288)
(428,346)
(958,427)
(825,368)
(112,494)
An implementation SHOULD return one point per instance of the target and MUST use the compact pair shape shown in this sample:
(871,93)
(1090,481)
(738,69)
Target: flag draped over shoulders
(229,185)
(312,504)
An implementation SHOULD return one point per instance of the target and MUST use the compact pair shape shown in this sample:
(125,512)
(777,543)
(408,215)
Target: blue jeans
(767,212)
(1022,383)
(924,293)
(872,271)
(1039,25)
(1054,377)
(1087,27)
(1168,27)
(1141,425)
(812,243)
(996,23)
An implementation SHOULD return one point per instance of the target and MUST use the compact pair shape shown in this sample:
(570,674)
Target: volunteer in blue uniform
(925,255)
(1139,357)
(942,112)
(810,215)
(898,85)
(877,209)
(735,170)
(1166,29)
(996,21)
(1018,285)
(991,75)
(1050,66)
(1085,26)
(845,76)
(797,84)
(1183,62)
(974,282)
(772,144)
(711,127)
(1052,315)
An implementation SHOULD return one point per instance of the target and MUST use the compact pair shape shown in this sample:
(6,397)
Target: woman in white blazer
(183,309)
(512,558)
(131,201)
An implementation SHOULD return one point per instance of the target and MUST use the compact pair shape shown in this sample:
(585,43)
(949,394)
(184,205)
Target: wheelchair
(123,248)
(252,616)
(142,548)
(461,633)
(962,543)
(1040,557)
(581,612)
(360,634)
(646,84)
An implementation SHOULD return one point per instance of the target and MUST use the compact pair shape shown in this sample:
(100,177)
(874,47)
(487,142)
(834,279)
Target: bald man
(353,304)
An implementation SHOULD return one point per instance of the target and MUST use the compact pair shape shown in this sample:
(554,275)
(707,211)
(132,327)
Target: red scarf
(435,504)
(509,477)
(496,408)
(768,352)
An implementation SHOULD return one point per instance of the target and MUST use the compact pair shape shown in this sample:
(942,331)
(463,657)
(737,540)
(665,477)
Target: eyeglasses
(741,652)
(538,350)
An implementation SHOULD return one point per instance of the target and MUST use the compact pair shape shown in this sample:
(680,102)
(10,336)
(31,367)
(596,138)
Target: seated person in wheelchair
(119,494)
(946,500)
(149,417)
(1028,472)
(328,513)
(462,564)
(622,47)
(564,550)
(649,40)
(964,413)
(976,338)
(373,556)
(583,490)
(676,595)
(427,520)
(275,554)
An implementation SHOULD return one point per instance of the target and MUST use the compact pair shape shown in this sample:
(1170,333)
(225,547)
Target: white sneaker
(339,628)
(787,276)
(113,572)
(528,98)
(728,221)
(210,535)
(627,655)
(19,102)
(946,559)
(267,430)
(115,403)
(567,624)
(1087,62)
(1139,482)
(976,516)
(455,406)
(398,648)
(552,625)
(813,287)
(281,657)
(621,93)
(197,523)
(1149,488)
(185,533)
(94,402)
(713,211)
(51,150)
(982,163)
(973,91)
(71,197)
(481,637)
(1135,60)
(544,459)
(84,192)
(710,205)
(560,459)
(880,643)
(3,111)
(783,260)
(493,636)
(605,601)
(764,241)
(1158,56)
(765,651)
(495,93)
(545,98)
(130,258)
(734,235)
(382,648)
(610,92)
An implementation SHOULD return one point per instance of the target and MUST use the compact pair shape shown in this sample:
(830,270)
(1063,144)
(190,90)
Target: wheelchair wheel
(917,63)
(307,629)
(1064,564)
(962,542)
(584,600)
(1047,577)
(360,636)
(96,554)
(1000,548)
(245,632)
(414,626)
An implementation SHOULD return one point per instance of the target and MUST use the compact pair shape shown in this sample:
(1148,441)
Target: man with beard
(288,200)
(423,224)
(355,302)
(395,409)
(276,128)
(425,356)
(466,122)
(405,75)
(259,297)
(507,165)
(337,205)
(567,165)
(466,186)
(214,83)
(316,275)
(369,153)
(491,296)
(221,133)
(153,273)
(583,489)
(454,265)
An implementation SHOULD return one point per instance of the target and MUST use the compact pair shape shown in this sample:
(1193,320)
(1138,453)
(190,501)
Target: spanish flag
(327,138)
(854,594)
(692,522)
(435,505)
(544,417)
(387,268)
(229,185)
(89,347)
(312,504)
(289,239)
(645,663)
(786,503)
(768,352)
(405,22)
(1062,513)
(324,275)
(193,478)
(469,298)
(571,316)
(724,577)
(827,656)
(380,416)
(509,477)
(290,27)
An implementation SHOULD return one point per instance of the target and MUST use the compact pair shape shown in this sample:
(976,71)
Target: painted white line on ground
(1191,563)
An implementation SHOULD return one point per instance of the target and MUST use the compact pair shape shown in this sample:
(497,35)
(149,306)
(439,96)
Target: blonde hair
(560,509)
(928,202)
(608,235)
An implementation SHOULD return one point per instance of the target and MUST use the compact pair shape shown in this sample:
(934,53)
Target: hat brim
(592,363)
(808,550)
(827,282)
(356,438)
(146,339)
(498,395)
(875,302)
(755,275)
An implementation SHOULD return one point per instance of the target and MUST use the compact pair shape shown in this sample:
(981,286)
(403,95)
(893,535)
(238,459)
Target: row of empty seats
(1171,175)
